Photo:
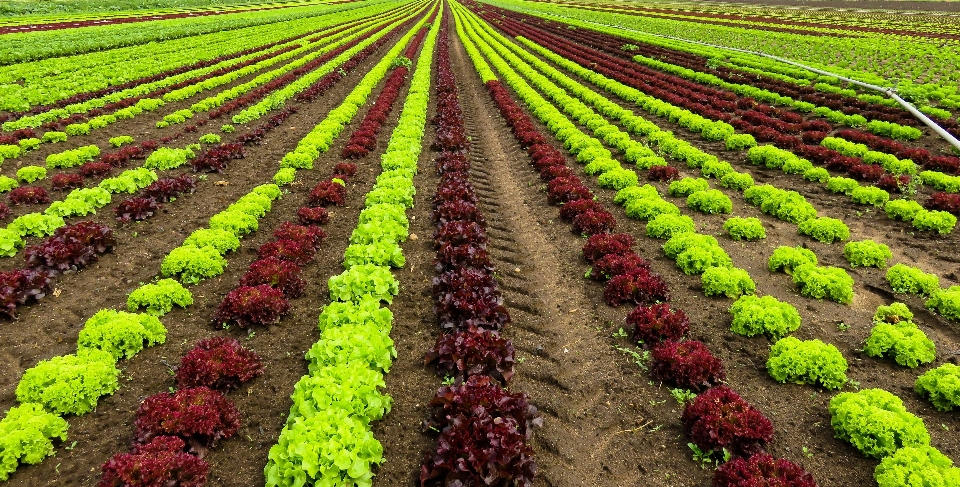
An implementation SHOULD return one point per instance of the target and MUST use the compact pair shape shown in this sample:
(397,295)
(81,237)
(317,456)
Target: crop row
(327,436)
(475,414)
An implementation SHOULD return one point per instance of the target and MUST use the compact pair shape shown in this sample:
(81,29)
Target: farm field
(478,243)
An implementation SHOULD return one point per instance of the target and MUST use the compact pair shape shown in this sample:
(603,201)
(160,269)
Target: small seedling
(682,396)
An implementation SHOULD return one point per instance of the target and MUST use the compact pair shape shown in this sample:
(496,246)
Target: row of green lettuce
(327,439)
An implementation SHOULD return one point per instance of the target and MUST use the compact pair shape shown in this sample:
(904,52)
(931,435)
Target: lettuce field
(461,243)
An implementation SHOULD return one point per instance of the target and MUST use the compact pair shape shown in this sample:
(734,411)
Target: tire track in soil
(598,407)
(264,404)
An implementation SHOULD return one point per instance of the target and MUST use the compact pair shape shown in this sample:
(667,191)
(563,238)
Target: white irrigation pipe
(891,92)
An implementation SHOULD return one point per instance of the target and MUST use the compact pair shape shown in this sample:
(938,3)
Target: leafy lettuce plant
(762,469)
(199,415)
(719,419)
(905,279)
(870,195)
(350,386)
(363,280)
(166,158)
(121,334)
(667,225)
(825,229)
(120,140)
(842,185)
(807,362)
(867,253)
(903,341)
(246,306)
(688,186)
(193,264)
(162,461)
(687,364)
(470,352)
(941,386)
(36,224)
(221,240)
(618,179)
(219,363)
(80,202)
(657,323)
(26,434)
(70,384)
(941,222)
(727,281)
(332,446)
(159,298)
(364,343)
(711,201)
(701,256)
(875,422)
(745,228)
(922,465)
(946,302)
(753,315)
(29,174)
(737,181)
(235,222)
(381,253)
(821,282)
(904,210)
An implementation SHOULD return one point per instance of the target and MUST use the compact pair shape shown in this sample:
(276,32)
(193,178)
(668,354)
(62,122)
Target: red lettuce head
(467,397)
(310,235)
(313,216)
(279,274)
(28,195)
(328,193)
(298,252)
(639,286)
(762,469)
(252,305)
(599,245)
(613,265)
(473,352)
(720,419)
(688,364)
(161,462)
(218,363)
(200,416)
(654,324)
(64,181)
